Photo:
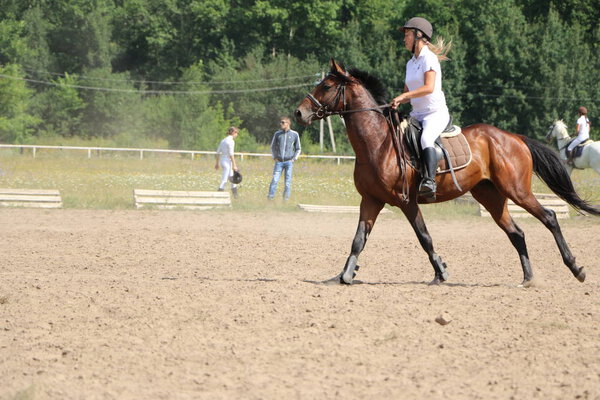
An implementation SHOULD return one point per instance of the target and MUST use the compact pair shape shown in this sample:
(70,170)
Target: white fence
(192,153)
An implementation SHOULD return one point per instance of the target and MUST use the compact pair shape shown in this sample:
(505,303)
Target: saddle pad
(454,131)
(459,151)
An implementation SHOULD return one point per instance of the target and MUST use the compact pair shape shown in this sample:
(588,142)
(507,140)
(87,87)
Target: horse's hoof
(526,283)
(436,281)
(581,275)
(347,280)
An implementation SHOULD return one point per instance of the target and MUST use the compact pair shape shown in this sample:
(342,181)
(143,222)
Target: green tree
(60,108)
(260,109)
(80,37)
(113,104)
(16,123)
(12,45)
(188,120)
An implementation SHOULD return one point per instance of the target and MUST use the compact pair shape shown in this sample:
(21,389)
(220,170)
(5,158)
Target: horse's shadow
(331,282)
(356,282)
(207,278)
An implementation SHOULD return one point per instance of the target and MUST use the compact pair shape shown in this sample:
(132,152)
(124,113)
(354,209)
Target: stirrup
(427,188)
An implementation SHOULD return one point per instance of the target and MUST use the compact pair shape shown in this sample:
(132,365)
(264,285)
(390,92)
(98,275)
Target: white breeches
(433,124)
(579,139)
(227,171)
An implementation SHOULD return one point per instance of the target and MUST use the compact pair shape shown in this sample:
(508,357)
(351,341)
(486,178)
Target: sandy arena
(227,305)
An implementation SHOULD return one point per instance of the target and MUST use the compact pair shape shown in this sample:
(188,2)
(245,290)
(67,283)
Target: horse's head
(557,130)
(327,98)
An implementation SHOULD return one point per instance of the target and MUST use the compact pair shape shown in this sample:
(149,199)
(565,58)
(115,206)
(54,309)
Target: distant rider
(583,133)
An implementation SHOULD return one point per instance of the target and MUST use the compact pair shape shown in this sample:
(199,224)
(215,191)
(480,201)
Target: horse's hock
(547,200)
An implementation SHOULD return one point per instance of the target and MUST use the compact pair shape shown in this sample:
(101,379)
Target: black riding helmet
(236,177)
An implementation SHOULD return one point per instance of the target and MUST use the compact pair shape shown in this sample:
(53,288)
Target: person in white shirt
(423,89)
(583,133)
(225,159)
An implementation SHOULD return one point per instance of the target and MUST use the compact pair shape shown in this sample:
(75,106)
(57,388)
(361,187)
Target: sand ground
(227,305)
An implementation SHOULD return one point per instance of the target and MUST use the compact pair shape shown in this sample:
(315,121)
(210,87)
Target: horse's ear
(337,68)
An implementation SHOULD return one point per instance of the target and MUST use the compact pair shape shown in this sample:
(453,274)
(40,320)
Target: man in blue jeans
(285,148)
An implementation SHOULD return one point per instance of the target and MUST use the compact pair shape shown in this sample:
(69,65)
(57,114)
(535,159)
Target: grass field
(106,181)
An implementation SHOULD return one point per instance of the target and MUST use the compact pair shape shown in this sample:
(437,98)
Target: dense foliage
(181,71)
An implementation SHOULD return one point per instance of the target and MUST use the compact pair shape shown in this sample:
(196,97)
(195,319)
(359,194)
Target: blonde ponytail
(440,48)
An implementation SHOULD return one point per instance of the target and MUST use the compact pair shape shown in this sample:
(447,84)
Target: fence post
(33,152)
(89,153)
(141,154)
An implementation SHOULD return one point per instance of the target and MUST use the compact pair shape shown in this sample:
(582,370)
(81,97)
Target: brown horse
(501,168)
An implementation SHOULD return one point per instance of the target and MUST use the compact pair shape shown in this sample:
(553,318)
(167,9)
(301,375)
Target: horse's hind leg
(493,201)
(414,216)
(369,210)
(548,218)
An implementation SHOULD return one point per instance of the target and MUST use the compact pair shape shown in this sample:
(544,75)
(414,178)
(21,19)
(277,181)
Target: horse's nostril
(298,114)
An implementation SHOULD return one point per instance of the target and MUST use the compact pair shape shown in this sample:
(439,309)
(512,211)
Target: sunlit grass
(106,180)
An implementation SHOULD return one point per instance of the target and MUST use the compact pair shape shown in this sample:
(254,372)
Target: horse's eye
(326,87)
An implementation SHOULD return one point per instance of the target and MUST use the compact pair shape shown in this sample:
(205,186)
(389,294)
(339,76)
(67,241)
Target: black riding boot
(427,186)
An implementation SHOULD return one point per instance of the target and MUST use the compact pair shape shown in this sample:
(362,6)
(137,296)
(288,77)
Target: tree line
(179,72)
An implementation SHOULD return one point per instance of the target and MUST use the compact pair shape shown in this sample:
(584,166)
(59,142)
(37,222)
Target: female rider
(583,133)
(423,88)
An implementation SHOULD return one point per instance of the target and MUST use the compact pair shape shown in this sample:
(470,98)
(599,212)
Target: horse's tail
(549,168)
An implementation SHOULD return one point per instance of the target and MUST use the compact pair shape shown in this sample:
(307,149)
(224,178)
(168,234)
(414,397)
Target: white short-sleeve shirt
(226,147)
(584,127)
(415,78)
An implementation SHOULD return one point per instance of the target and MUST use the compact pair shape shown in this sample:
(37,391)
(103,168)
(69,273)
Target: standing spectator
(285,148)
(226,159)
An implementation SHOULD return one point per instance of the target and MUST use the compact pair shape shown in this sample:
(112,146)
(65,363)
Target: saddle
(452,149)
(578,150)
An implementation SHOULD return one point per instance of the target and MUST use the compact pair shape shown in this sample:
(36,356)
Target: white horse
(590,157)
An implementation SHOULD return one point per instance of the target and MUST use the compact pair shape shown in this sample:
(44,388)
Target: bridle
(550,135)
(324,110)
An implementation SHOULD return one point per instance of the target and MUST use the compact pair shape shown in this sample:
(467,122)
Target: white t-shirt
(226,147)
(584,127)
(415,78)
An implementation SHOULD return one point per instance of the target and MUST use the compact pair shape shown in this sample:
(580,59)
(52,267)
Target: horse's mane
(370,82)
(560,125)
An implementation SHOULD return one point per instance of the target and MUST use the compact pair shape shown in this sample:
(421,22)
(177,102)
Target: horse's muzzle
(303,115)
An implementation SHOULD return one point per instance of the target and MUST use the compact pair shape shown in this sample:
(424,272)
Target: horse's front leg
(414,216)
(369,210)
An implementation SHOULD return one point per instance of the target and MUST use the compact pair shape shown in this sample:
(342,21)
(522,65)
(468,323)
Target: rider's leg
(433,125)
(574,143)
(427,186)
